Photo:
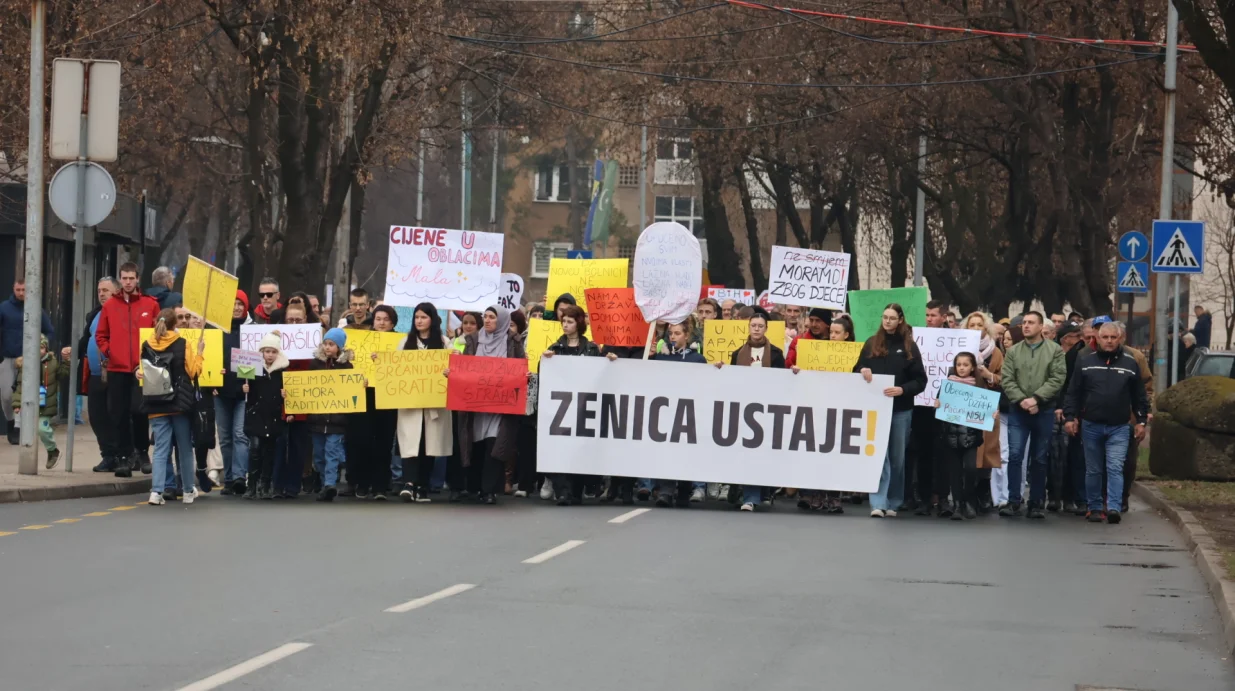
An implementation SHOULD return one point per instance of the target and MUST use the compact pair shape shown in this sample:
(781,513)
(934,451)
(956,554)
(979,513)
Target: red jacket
(791,357)
(119,332)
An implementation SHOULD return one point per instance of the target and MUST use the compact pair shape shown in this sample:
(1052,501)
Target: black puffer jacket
(585,347)
(960,436)
(1104,388)
(263,410)
(330,423)
(233,387)
(906,368)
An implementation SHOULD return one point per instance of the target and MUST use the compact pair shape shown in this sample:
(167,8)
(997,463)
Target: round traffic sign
(100,197)
(1133,246)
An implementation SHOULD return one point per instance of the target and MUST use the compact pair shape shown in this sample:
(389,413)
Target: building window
(542,252)
(552,183)
(674,144)
(628,176)
(626,252)
(685,210)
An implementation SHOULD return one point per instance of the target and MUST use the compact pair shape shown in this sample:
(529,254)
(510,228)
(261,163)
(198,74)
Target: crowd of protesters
(1074,402)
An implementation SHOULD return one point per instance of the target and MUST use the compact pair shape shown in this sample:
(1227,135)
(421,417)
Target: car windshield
(1215,366)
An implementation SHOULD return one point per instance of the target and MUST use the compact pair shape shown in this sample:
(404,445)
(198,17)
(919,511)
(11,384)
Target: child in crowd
(263,416)
(328,428)
(960,446)
(54,370)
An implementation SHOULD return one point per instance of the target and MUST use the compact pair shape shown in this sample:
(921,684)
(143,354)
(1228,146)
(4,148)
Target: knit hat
(339,336)
(274,339)
(820,313)
(243,298)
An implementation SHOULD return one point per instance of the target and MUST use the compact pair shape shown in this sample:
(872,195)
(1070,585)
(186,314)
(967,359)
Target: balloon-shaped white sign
(668,272)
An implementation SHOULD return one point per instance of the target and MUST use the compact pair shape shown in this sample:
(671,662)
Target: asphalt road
(274,595)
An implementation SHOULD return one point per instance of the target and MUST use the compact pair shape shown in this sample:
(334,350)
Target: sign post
(1178,248)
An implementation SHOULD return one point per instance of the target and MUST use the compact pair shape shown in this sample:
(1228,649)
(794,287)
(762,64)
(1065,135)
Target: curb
(83,491)
(1204,551)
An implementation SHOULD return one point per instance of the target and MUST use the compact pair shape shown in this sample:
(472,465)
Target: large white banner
(939,348)
(809,278)
(453,269)
(738,425)
(299,340)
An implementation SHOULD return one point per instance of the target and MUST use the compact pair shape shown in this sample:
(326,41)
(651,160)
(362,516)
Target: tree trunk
(723,266)
(758,277)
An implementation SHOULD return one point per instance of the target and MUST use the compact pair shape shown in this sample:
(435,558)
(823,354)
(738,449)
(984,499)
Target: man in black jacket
(1106,386)
(95,385)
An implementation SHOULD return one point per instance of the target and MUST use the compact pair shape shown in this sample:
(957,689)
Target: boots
(265,491)
(251,489)
(14,433)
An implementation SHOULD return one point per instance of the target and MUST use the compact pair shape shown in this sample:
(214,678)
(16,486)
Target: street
(134,596)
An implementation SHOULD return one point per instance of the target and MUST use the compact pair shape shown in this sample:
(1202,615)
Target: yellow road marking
(68,520)
(122,508)
(34,527)
(97,513)
(3,534)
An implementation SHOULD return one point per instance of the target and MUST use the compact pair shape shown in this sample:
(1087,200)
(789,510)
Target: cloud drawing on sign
(432,283)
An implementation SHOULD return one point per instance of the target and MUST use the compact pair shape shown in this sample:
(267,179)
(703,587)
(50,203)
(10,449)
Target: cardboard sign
(410,379)
(866,308)
(828,356)
(765,300)
(453,269)
(744,296)
(541,333)
(575,276)
(614,318)
(299,340)
(668,272)
(971,406)
(723,337)
(810,278)
(246,363)
(511,293)
(939,348)
(212,362)
(319,392)
(364,344)
(210,293)
(487,385)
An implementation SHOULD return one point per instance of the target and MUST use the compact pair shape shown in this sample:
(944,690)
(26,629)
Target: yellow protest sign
(210,293)
(541,333)
(828,356)
(365,344)
(577,275)
(722,337)
(410,379)
(319,392)
(212,366)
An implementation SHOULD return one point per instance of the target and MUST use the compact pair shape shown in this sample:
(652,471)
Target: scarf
(745,358)
(494,344)
(963,380)
(986,347)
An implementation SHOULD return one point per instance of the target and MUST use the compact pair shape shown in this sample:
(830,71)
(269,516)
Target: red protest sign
(614,318)
(487,385)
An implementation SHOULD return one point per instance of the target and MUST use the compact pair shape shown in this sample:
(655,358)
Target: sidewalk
(56,483)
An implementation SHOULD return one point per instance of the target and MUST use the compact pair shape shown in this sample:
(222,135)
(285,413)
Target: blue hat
(339,336)
(1099,321)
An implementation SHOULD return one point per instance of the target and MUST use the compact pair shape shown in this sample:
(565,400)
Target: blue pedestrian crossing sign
(1178,247)
(1133,246)
(1133,277)
(578,254)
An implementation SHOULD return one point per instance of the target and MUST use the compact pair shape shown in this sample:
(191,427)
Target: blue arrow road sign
(1133,246)
(1178,247)
(1133,277)
(578,254)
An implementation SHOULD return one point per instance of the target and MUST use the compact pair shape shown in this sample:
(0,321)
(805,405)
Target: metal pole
(643,178)
(493,186)
(420,182)
(79,276)
(1175,340)
(32,316)
(919,217)
(1165,191)
(465,164)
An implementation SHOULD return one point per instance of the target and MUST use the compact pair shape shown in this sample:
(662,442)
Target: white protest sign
(246,358)
(745,296)
(511,294)
(810,278)
(299,340)
(668,272)
(453,269)
(736,425)
(939,348)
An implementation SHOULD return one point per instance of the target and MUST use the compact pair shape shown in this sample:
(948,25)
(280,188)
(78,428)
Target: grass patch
(1142,465)
(1229,559)
(1189,493)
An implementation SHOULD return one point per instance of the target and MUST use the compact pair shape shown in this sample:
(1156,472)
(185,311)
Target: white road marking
(429,599)
(560,549)
(248,666)
(628,515)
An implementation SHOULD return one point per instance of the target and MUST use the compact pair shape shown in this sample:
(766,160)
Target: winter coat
(905,367)
(329,423)
(959,436)
(774,359)
(989,456)
(433,423)
(687,355)
(1034,371)
(260,316)
(791,357)
(233,386)
(53,371)
(185,367)
(1202,329)
(119,330)
(12,316)
(505,447)
(166,297)
(585,347)
(1105,387)
(263,406)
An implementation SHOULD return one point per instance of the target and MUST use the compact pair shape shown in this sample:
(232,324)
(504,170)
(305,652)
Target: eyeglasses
(183,318)
(266,295)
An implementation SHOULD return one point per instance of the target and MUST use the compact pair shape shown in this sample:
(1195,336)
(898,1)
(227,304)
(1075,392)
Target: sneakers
(408,493)
(155,499)
(361,494)
(748,506)
(1113,517)
(1010,509)
(106,465)
(664,500)
(1053,506)
(53,457)
(189,496)
(876,513)
(696,495)
(644,494)
(421,495)
(1094,516)
(169,494)
(379,495)
(327,494)
(713,490)
(519,494)
(1035,512)
(890,513)
(142,460)
(122,468)
(546,490)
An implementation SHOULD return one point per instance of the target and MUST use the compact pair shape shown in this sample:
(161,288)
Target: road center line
(429,599)
(549,554)
(628,515)
(248,666)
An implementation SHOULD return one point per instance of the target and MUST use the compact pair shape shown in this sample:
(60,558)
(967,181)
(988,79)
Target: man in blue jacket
(11,322)
(161,283)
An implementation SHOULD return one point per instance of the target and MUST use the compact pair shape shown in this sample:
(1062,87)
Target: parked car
(1212,363)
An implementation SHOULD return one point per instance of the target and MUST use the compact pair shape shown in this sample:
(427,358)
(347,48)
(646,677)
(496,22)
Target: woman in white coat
(423,433)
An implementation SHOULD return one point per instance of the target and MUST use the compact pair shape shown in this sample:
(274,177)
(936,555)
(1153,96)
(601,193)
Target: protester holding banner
(708,308)
(328,429)
(892,351)
(263,416)
(229,406)
(423,433)
(570,488)
(371,434)
(818,325)
(469,324)
(171,365)
(681,348)
(960,446)
(486,439)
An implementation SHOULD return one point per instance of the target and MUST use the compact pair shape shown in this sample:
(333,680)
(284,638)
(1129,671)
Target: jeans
(1033,431)
(229,418)
(892,481)
(1106,446)
(396,466)
(327,456)
(166,428)
(752,494)
(438,479)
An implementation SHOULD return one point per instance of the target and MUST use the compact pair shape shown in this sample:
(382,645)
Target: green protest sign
(866,308)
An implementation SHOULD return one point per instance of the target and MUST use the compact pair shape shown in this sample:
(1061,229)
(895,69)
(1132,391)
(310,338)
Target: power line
(732,32)
(597,38)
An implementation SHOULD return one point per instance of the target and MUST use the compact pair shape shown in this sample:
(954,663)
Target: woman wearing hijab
(423,433)
(485,439)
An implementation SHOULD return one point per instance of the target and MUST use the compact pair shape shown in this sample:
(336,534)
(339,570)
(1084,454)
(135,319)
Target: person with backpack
(49,397)
(328,428)
(263,416)
(169,365)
